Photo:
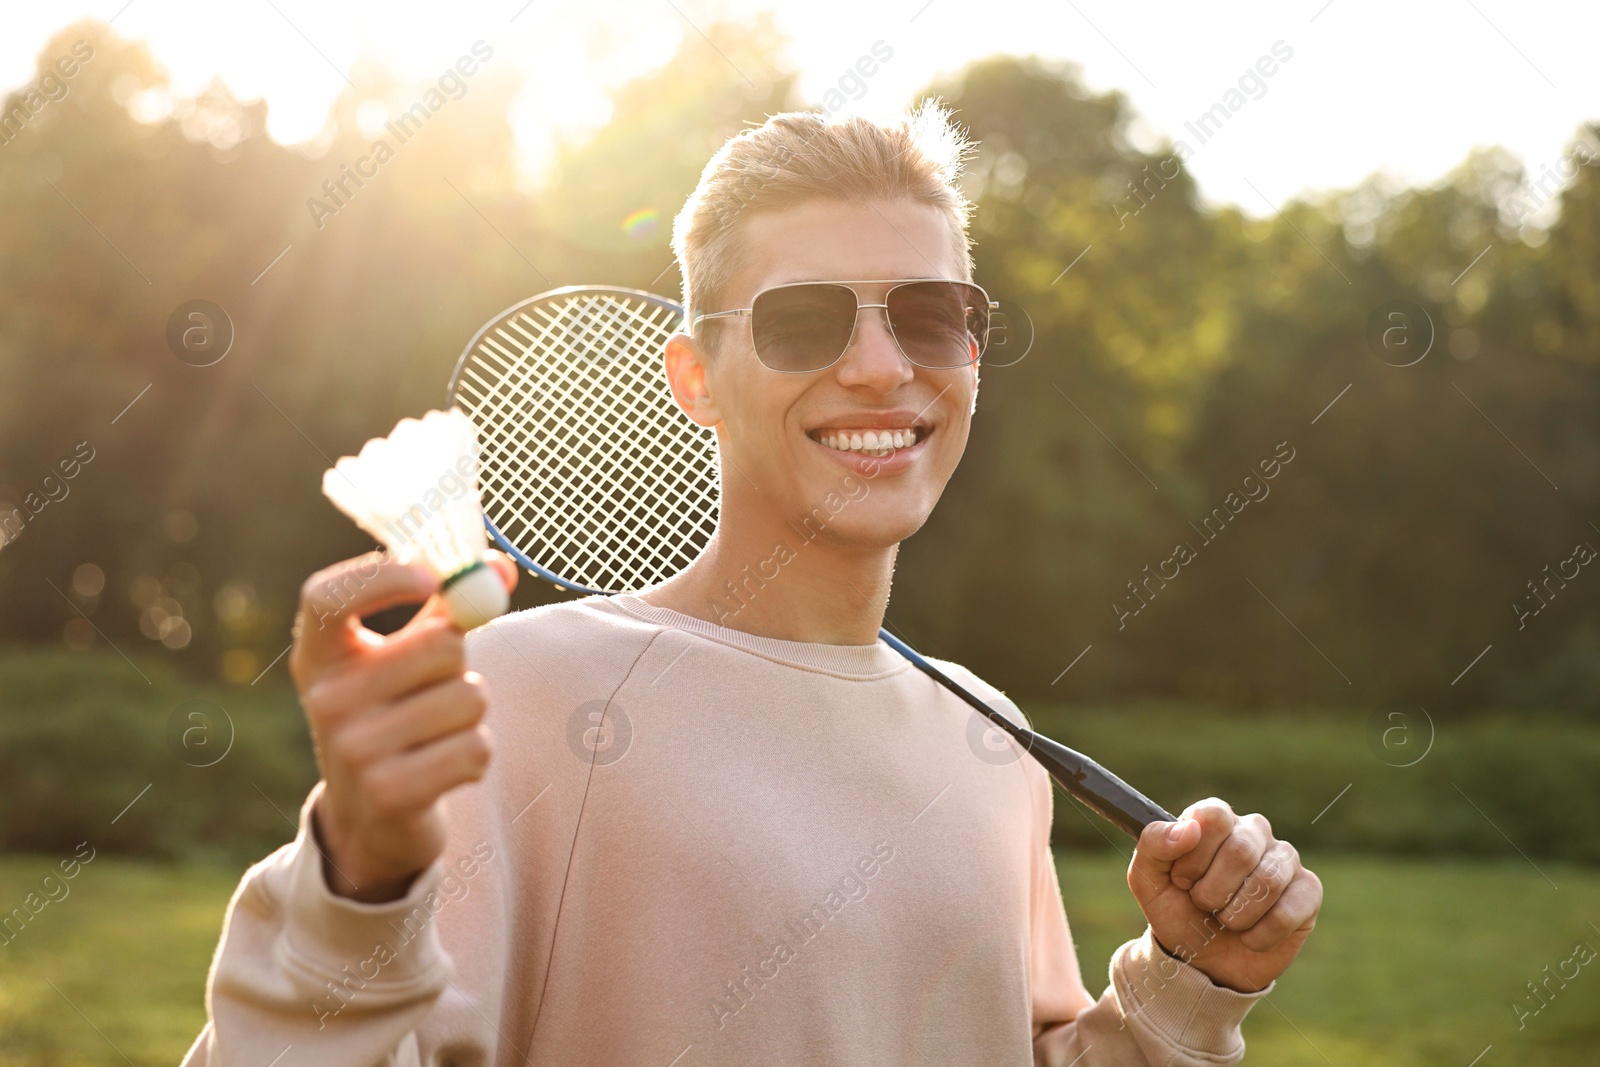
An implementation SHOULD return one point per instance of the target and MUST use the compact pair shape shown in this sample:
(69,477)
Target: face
(796,445)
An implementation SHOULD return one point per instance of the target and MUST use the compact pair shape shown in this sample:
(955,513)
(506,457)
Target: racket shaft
(1103,792)
(1113,799)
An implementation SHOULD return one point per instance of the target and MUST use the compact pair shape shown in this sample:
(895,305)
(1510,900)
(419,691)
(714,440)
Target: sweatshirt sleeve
(302,972)
(1156,1011)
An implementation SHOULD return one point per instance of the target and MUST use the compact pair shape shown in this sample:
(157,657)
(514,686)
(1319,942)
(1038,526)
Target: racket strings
(586,395)
(587,464)
(554,469)
(565,480)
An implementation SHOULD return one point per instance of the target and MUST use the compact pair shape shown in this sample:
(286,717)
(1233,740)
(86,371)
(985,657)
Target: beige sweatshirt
(698,846)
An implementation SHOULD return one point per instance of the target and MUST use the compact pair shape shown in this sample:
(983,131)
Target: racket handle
(1103,792)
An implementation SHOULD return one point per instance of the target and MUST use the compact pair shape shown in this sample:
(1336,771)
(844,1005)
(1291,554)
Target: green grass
(1411,963)
(127,951)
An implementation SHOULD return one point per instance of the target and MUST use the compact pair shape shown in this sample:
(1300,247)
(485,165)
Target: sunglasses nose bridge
(883,322)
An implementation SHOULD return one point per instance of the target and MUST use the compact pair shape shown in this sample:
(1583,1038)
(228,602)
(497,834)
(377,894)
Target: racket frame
(1097,788)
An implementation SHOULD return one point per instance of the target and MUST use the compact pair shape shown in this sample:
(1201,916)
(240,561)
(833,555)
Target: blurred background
(1292,500)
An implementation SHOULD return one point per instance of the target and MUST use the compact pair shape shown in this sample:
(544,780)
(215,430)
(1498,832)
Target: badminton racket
(593,479)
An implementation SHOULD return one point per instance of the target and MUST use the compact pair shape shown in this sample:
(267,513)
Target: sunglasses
(807,326)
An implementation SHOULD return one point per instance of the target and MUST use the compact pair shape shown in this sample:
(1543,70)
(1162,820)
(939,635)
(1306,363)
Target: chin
(881,527)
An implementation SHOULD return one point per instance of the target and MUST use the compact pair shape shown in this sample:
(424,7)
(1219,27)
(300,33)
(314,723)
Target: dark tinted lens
(802,327)
(937,323)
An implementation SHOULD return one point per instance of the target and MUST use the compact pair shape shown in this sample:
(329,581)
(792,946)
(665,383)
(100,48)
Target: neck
(768,577)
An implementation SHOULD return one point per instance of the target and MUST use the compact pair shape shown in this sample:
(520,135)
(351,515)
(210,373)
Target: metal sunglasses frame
(983,342)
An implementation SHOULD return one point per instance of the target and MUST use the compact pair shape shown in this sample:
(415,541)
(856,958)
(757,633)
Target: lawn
(1412,962)
(127,952)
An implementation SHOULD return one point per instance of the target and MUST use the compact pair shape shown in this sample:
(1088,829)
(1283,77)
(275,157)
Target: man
(724,824)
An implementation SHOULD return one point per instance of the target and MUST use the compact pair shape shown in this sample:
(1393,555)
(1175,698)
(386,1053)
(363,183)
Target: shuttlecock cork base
(475,595)
(416,491)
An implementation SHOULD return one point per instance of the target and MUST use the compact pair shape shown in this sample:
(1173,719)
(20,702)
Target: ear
(977,365)
(686,366)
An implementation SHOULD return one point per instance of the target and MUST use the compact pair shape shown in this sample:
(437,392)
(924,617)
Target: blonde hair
(800,155)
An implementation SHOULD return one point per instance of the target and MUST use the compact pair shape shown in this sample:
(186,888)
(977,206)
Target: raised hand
(1225,895)
(396,720)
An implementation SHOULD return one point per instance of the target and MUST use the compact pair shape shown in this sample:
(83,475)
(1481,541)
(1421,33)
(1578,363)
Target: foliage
(1174,356)
(92,752)
(1487,784)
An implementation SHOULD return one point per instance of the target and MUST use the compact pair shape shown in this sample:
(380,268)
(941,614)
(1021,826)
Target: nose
(873,360)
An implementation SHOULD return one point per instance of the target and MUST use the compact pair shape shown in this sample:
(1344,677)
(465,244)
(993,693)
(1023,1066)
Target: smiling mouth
(876,443)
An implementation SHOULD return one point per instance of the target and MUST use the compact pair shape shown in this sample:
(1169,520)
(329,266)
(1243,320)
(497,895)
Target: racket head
(591,476)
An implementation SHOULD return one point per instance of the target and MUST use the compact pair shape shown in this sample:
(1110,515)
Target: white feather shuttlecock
(416,491)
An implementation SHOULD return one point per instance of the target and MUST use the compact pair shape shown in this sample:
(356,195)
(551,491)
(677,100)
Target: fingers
(425,716)
(1217,820)
(333,600)
(433,652)
(1295,913)
(414,780)
(1262,887)
(1242,873)
(1236,856)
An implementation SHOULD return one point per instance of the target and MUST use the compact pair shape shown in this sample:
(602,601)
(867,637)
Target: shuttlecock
(416,491)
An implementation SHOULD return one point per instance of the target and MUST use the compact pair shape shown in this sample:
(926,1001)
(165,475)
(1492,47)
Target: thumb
(1161,844)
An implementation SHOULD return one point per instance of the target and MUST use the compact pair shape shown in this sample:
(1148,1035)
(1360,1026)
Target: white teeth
(876,443)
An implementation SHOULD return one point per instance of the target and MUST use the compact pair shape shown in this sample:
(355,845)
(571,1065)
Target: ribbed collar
(849,661)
